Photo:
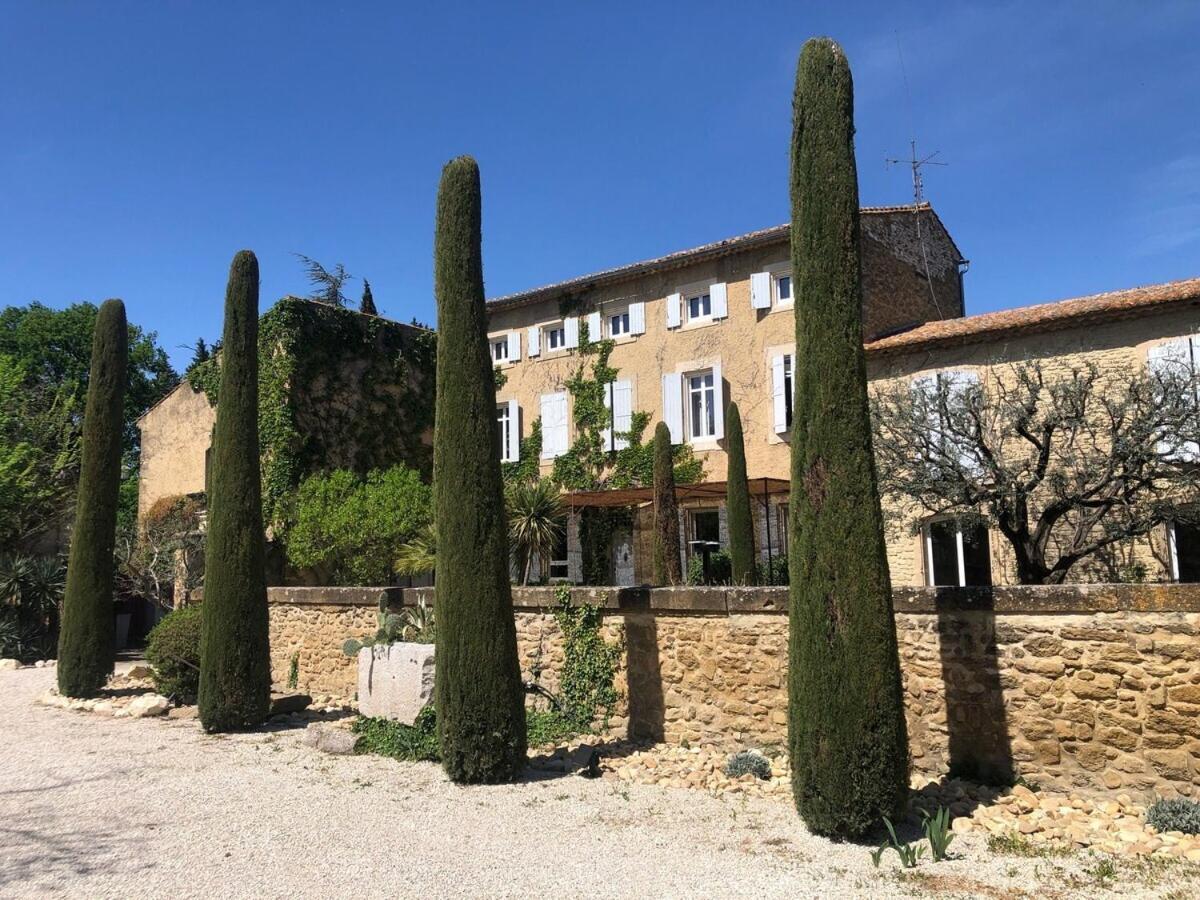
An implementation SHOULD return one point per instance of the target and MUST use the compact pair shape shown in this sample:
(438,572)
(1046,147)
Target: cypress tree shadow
(647,710)
(976,722)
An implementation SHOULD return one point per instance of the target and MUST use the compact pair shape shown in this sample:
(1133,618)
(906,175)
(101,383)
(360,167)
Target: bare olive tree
(1064,463)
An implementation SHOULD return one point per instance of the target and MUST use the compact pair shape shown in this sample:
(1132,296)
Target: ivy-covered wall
(337,389)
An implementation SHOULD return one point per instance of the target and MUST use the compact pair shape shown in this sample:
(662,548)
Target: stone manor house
(697,329)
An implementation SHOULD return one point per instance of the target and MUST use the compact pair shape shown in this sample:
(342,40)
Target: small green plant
(589,663)
(720,569)
(548,726)
(1103,872)
(910,854)
(413,743)
(1174,814)
(937,832)
(173,651)
(748,762)
(1011,844)
(414,624)
(293,678)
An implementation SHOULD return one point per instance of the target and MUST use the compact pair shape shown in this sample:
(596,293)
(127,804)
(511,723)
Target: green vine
(586,684)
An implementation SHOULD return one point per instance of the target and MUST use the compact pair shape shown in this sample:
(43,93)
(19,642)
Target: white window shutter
(720,300)
(778,394)
(1163,357)
(718,403)
(674,302)
(760,290)
(554,425)
(514,346)
(514,432)
(571,331)
(607,433)
(637,318)
(593,323)
(926,389)
(535,340)
(672,390)
(622,412)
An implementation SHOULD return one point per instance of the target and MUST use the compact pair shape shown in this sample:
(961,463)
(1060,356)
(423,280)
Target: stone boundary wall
(1081,687)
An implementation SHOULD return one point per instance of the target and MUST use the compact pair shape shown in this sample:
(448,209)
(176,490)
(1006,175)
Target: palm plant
(419,555)
(534,511)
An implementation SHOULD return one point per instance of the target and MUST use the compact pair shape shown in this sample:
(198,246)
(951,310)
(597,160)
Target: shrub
(235,652)
(846,730)
(173,651)
(86,639)
(748,762)
(348,526)
(589,663)
(1175,814)
(31,593)
(478,690)
(737,503)
(720,568)
(414,743)
(546,726)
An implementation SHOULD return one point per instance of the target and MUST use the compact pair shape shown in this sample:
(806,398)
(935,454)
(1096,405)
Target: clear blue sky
(145,143)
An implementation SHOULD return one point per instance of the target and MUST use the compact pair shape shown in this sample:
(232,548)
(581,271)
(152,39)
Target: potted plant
(395,665)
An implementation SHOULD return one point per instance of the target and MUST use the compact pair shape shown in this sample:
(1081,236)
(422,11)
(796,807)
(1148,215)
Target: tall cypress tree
(737,501)
(847,735)
(368,300)
(478,691)
(235,658)
(667,567)
(86,640)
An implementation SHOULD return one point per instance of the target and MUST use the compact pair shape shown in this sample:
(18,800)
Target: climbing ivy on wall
(336,390)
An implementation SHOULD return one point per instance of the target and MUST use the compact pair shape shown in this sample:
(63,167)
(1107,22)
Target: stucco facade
(176,435)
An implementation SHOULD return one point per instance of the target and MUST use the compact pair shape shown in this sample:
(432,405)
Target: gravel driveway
(98,807)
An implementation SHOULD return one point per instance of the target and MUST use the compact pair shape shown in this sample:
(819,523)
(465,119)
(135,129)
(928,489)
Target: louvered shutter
(535,340)
(593,324)
(718,403)
(622,412)
(674,301)
(513,453)
(672,390)
(956,384)
(760,290)
(637,318)
(779,393)
(514,346)
(554,425)
(571,332)
(925,391)
(1173,359)
(720,300)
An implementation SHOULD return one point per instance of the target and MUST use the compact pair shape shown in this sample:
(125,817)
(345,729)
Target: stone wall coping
(1082,599)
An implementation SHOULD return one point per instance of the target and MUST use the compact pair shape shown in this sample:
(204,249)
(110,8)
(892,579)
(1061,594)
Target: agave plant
(418,556)
(534,511)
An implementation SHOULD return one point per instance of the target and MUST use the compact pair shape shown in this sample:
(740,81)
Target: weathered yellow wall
(176,435)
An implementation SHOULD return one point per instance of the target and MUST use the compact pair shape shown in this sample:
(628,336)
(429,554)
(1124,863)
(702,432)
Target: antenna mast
(916,163)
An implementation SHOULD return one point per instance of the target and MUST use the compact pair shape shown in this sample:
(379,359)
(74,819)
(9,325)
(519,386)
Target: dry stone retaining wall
(1093,688)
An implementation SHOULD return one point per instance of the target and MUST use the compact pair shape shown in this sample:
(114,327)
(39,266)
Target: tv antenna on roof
(916,164)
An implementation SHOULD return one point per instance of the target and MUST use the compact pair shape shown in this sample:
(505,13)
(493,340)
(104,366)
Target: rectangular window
(556,337)
(699,306)
(500,350)
(706,526)
(559,568)
(957,553)
(783,289)
(618,324)
(701,405)
(504,422)
(787,389)
(1185,551)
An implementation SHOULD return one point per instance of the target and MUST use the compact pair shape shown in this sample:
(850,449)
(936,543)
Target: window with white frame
(788,406)
(560,568)
(1177,360)
(618,323)
(781,285)
(1183,539)
(555,336)
(702,409)
(505,423)
(500,349)
(957,553)
(782,391)
(698,305)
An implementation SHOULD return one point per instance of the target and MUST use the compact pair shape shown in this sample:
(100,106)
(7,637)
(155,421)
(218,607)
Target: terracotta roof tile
(1042,317)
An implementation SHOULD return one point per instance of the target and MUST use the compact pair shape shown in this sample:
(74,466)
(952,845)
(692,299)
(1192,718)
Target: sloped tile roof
(1042,317)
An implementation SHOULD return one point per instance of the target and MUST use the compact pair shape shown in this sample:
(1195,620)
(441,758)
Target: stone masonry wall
(1092,688)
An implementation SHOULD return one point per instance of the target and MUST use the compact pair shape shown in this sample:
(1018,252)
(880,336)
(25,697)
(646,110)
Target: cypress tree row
(667,567)
(86,640)
(368,300)
(478,692)
(847,736)
(737,501)
(235,658)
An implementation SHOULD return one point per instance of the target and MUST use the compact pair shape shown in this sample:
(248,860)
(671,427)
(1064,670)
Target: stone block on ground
(338,741)
(395,681)
(9,664)
(140,670)
(282,704)
(148,705)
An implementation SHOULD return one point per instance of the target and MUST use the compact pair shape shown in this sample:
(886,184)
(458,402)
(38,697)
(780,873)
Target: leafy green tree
(847,734)
(534,521)
(737,501)
(368,300)
(235,658)
(86,650)
(478,691)
(347,526)
(667,567)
